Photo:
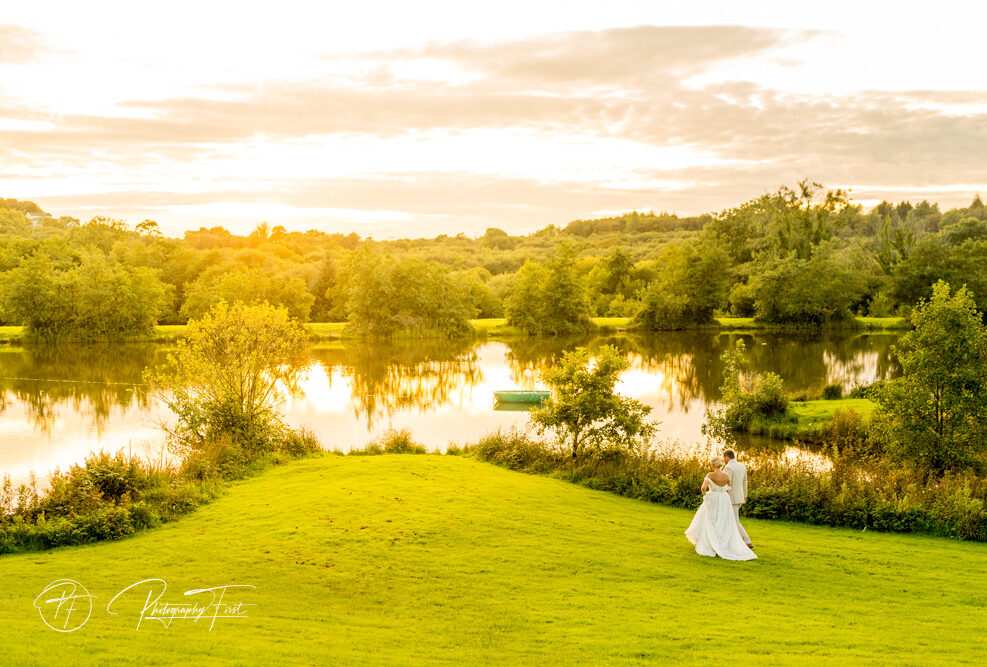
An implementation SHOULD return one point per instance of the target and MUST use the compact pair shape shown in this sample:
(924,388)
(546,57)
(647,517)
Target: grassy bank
(866,323)
(165,333)
(808,420)
(429,559)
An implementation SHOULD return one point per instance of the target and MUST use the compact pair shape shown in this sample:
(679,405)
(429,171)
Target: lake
(59,403)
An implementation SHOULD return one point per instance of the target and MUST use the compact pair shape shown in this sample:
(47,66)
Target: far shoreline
(498,328)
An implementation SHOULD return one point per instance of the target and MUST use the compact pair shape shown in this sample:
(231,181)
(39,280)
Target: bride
(714,529)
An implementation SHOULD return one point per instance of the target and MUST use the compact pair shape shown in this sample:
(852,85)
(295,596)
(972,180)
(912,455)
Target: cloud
(552,80)
(19,45)
(626,87)
(615,58)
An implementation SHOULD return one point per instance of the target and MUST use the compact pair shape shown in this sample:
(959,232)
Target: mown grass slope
(429,559)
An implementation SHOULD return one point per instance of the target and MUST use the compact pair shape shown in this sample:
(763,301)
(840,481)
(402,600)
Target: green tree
(324,289)
(148,228)
(248,284)
(476,282)
(913,276)
(818,290)
(936,411)
(584,412)
(96,299)
(549,299)
(413,295)
(226,378)
(692,284)
(13,223)
(525,298)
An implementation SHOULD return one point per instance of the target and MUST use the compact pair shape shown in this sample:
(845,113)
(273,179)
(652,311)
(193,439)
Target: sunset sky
(421,118)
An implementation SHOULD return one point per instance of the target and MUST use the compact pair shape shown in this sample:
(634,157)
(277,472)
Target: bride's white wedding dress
(714,529)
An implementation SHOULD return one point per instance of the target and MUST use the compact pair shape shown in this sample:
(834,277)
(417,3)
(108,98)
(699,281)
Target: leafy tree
(693,282)
(13,222)
(969,228)
(260,234)
(97,299)
(524,301)
(565,305)
(619,267)
(549,299)
(788,222)
(148,228)
(247,284)
(497,238)
(22,206)
(818,290)
(893,244)
(584,412)
(385,296)
(324,289)
(936,411)
(476,282)
(100,232)
(226,378)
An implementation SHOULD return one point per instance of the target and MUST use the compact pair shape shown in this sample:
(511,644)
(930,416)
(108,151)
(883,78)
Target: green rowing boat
(521,396)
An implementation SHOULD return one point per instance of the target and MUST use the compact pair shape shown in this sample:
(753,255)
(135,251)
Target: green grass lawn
(739,323)
(879,323)
(805,420)
(494,326)
(810,412)
(883,322)
(428,559)
(10,334)
(497,326)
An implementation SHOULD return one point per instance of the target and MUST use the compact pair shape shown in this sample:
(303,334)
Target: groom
(737,473)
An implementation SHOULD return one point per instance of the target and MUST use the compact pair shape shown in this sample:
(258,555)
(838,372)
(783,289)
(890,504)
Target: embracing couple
(716,529)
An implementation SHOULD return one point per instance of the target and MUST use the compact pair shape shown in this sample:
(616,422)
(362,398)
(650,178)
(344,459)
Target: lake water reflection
(59,403)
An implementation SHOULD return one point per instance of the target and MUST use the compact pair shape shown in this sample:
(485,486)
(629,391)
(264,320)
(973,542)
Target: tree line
(799,256)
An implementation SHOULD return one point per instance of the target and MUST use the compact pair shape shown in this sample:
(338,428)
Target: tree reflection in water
(91,379)
(687,368)
(50,394)
(391,375)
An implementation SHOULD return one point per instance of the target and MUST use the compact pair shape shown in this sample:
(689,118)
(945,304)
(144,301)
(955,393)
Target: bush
(871,391)
(225,381)
(398,442)
(106,497)
(94,299)
(832,391)
(747,396)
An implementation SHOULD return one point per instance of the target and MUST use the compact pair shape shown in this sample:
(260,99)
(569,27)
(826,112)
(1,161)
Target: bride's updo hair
(717,462)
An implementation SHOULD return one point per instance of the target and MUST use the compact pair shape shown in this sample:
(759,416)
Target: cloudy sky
(420,118)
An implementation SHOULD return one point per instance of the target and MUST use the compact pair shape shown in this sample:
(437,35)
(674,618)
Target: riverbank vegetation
(797,257)
(491,327)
